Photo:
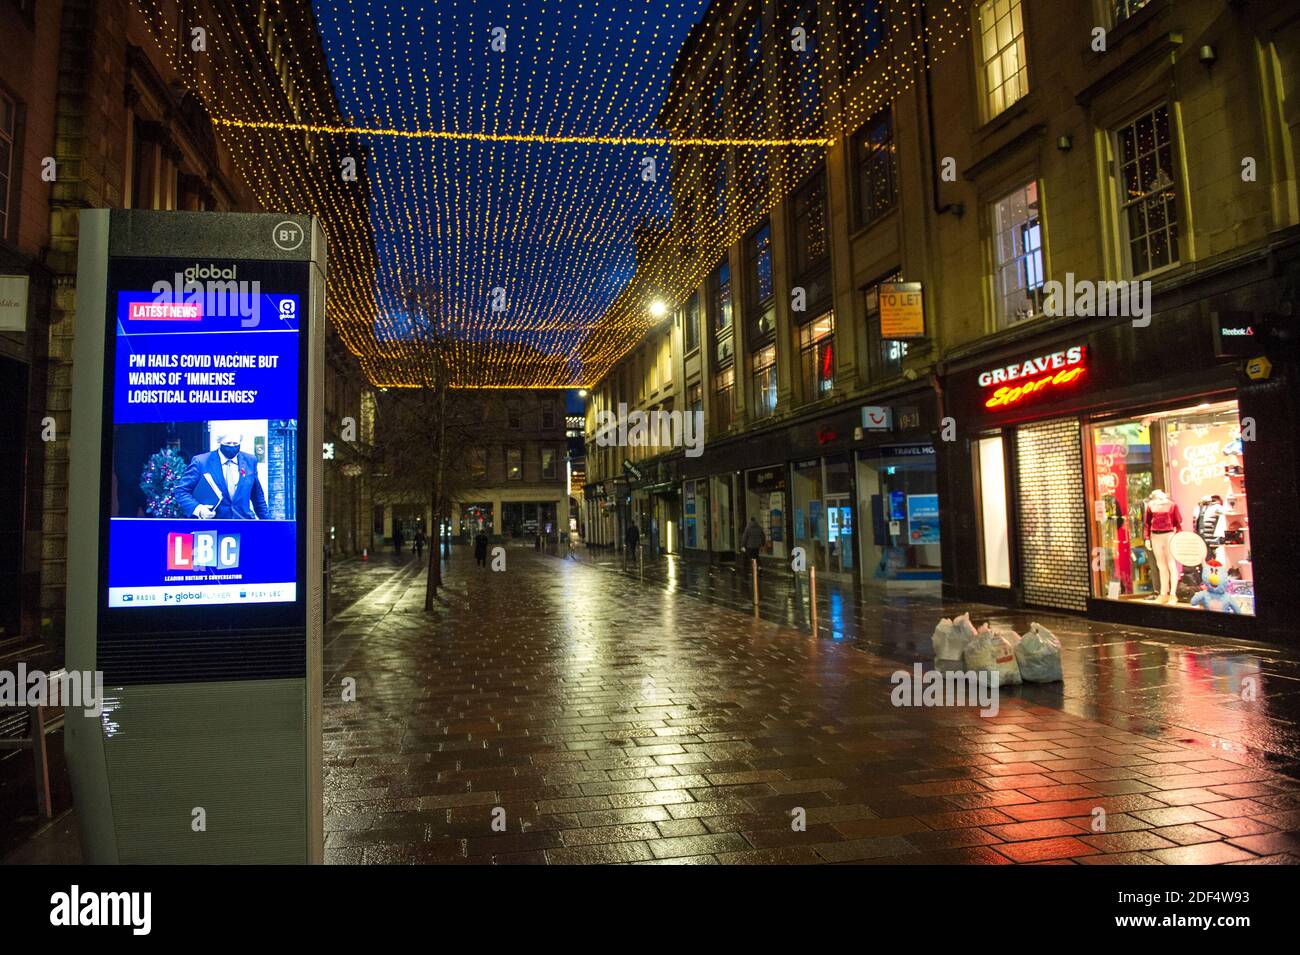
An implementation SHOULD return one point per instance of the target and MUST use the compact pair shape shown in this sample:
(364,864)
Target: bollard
(812,596)
(754,565)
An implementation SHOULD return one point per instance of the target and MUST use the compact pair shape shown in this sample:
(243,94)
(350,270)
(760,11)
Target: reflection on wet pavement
(596,716)
(1138,677)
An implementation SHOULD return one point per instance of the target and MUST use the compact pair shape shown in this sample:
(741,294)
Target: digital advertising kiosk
(195,536)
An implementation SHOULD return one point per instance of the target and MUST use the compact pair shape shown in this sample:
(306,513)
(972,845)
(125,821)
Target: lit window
(514,464)
(1123,9)
(1017,257)
(724,389)
(877,187)
(808,214)
(817,356)
(691,318)
(1002,55)
(721,285)
(764,378)
(889,352)
(1148,191)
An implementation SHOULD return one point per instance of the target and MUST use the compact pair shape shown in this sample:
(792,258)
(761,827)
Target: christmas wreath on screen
(162,472)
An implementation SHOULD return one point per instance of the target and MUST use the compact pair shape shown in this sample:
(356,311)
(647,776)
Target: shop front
(725,491)
(796,481)
(695,517)
(899,486)
(1115,472)
(476,517)
(656,506)
(767,501)
(823,516)
(897,481)
(601,500)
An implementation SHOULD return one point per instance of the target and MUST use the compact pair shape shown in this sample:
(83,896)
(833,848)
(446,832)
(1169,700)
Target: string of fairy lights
(531,174)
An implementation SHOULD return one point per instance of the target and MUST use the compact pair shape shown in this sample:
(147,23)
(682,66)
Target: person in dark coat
(752,541)
(398,540)
(419,543)
(480,548)
(631,540)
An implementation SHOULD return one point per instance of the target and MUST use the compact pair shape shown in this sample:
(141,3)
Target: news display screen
(202,403)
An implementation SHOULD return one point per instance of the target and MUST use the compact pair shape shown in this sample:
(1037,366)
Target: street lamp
(658,309)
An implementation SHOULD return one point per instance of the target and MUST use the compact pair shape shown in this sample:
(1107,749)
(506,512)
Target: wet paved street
(596,717)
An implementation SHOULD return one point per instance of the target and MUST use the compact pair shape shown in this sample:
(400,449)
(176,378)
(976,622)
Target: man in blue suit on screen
(223,484)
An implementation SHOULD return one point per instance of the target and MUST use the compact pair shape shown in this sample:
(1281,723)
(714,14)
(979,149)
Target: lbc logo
(202,550)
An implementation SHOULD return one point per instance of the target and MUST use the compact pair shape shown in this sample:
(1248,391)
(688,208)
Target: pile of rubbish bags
(1034,657)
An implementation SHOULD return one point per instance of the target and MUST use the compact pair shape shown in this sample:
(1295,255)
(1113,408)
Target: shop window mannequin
(1211,522)
(1161,522)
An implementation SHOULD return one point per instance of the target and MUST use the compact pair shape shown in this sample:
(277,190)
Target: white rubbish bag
(965,627)
(1039,655)
(949,640)
(994,651)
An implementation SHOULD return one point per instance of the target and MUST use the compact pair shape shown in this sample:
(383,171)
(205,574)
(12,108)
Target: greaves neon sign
(1034,375)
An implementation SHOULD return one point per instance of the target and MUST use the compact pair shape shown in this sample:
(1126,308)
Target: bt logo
(202,550)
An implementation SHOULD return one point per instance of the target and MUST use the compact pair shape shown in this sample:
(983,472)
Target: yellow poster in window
(901,311)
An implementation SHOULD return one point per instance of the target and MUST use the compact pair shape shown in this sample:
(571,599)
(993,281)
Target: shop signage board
(902,314)
(195,534)
(13,302)
(1037,375)
(877,418)
(1236,334)
(1259,368)
(909,419)
(898,451)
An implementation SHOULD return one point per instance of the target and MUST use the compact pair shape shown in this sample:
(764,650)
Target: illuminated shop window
(1168,510)
(991,510)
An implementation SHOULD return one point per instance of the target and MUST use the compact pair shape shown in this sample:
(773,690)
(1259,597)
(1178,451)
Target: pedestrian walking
(480,548)
(631,540)
(752,541)
(419,543)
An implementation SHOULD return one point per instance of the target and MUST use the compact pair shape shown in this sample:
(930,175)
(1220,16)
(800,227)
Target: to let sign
(13,303)
(901,311)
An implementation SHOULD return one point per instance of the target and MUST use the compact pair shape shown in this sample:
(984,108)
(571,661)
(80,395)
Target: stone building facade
(988,160)
(113,93)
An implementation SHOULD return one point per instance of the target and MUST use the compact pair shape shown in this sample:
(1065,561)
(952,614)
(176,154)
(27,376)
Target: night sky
(551,224)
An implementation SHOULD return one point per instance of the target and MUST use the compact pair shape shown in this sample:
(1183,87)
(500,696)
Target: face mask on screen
(229,450)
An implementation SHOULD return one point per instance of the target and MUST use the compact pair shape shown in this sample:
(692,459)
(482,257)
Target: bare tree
(425,430)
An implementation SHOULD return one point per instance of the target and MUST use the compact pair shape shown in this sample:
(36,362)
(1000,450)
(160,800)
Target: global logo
(202,550)
(198,272)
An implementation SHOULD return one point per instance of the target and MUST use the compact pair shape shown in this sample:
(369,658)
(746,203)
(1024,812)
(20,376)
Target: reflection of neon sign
(1043,373)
